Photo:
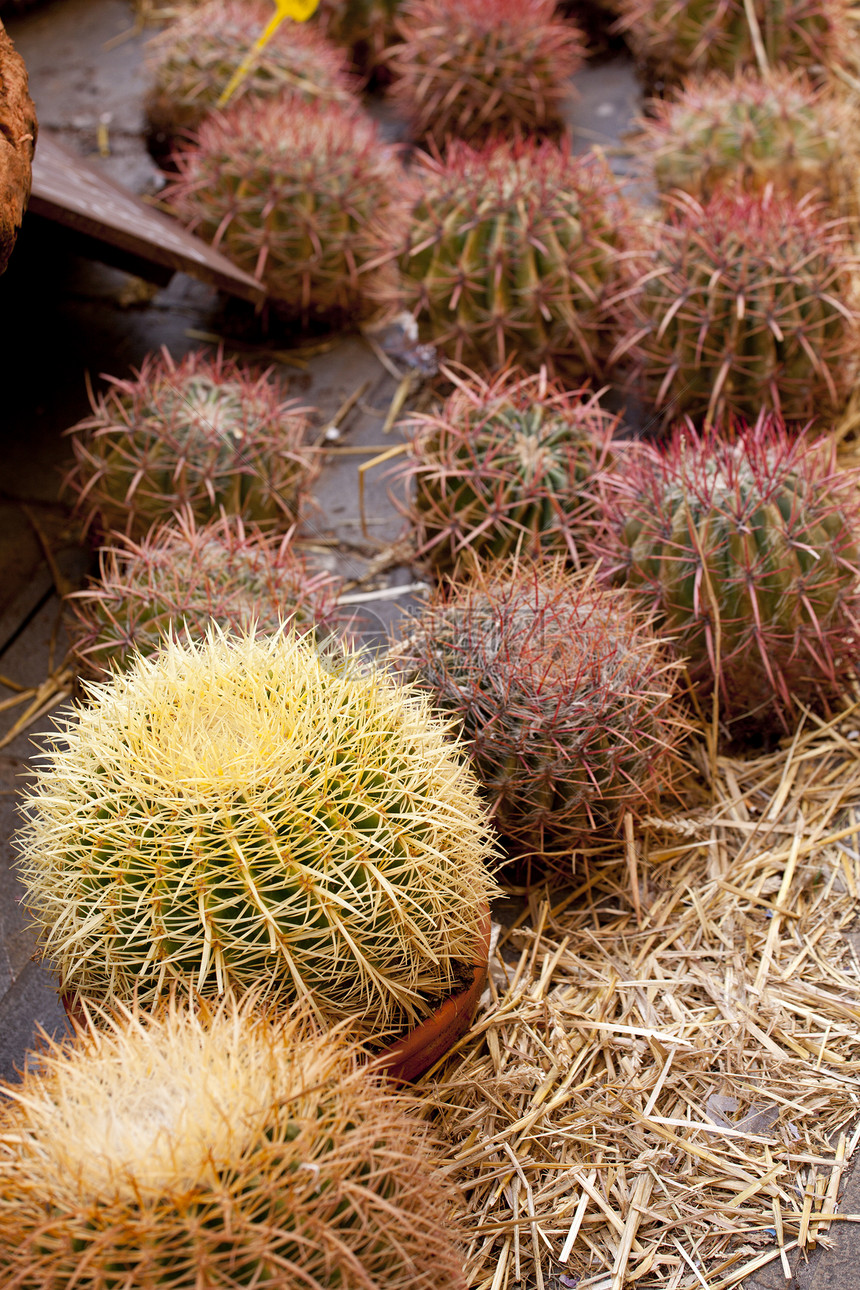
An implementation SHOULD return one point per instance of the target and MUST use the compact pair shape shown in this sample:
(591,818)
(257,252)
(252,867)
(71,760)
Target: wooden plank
(71,192)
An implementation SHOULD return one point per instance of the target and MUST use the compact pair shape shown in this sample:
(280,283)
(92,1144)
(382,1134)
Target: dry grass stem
(661,1085)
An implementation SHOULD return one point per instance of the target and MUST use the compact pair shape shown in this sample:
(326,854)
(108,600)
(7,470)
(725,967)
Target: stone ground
(66,317)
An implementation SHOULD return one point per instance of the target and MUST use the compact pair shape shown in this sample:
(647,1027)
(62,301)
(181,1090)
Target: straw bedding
(661,1084)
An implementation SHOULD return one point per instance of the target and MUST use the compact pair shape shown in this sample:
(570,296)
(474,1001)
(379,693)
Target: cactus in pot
(565,696)
(506,465)
(201,434)
(181,577)
(192,61)
(514,253)
(217,1147)
(242,812)
(471,68)
(744,542)
(742,303)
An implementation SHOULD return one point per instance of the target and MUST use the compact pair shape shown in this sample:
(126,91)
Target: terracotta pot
(416,1052)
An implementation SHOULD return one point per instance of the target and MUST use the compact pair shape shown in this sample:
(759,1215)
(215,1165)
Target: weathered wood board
(114,225)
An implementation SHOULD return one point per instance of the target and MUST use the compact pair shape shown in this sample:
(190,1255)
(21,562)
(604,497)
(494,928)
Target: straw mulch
(661,1084)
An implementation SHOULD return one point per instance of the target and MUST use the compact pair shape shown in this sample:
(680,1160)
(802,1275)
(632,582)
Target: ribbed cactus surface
(181,577)
(217,1149)
(742,303)
(506,465)
(297,194)
(564,694)
(672,38)
(241,813)
(192,61)
(468,68)
(745,132)
(199,435)
(747,549)
(513,252)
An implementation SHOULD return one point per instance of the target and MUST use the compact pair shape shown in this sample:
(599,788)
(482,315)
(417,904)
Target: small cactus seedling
(217,1148)
(675,38)
(747,132)
(747,551)
(180,578)
(513,253)
(564,694)
(744,303)
(468,68)
(506,466)
(297,194)
(191,63)
(244,813)
(201,435)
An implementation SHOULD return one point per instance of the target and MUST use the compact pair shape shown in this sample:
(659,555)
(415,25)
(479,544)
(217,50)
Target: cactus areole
(242,813)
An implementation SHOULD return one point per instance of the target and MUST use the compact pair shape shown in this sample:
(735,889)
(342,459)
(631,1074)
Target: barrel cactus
(743,303)
(513,252)
(217,1148)
(674,38)
(746,132)
(202,434)
(297,194)
(467,68)
(748,552)
(241,812)
(192,61)
(506,465)
(564,694)
(181,577)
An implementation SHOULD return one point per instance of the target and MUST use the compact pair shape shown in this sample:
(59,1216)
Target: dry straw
(667,1099)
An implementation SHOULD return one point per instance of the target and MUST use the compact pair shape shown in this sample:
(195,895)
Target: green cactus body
(564,695)
(217,1147)
(747,132)
(200,435)
(180,578)
(193,60)
(513,252)
(673,38)
(469,68)
(296,194)
(745,303)
(238,814)
(506,466)
(749,554)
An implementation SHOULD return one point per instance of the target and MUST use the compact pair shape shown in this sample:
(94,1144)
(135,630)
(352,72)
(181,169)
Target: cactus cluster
(744,303)
(220,1148)
(202,435)
(506,466)
(747,132)
(468,68)
(297,194)
(513,252)
(744,542)
(181,577)
(675,38)
(191,63)
(564,694)
(240,813)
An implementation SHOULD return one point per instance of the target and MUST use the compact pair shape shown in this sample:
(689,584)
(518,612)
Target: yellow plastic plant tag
(298,10)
